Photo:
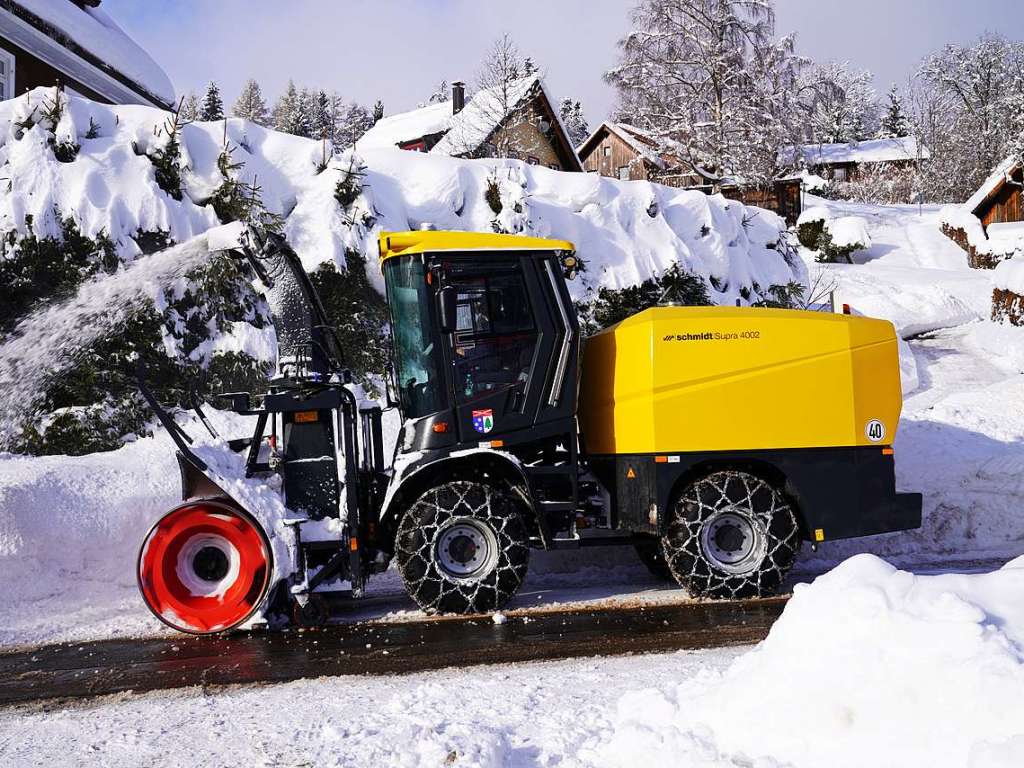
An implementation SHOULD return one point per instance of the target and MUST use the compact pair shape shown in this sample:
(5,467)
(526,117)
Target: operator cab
(486,342)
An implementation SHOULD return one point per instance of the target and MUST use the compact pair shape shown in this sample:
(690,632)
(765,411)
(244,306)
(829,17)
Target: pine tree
(894,124)
(378,111)
(189,108)
(574,121)
(251,105)
(322,123)
(307,105)
(353,122)
(287,115)
(441,94)
(213,106)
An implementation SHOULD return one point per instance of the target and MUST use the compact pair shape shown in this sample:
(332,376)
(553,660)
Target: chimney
(458,96)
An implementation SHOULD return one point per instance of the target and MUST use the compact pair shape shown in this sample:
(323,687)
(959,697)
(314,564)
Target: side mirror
(447,309)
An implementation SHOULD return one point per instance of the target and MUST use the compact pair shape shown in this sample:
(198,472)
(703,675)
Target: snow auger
(716,440)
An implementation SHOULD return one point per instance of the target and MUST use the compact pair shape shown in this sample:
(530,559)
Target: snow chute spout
(205,567)
(307,345)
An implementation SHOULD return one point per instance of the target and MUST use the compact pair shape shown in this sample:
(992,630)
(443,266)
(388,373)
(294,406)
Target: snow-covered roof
(482,115)
(95,34)
(870,151)
(408,126)
(465,131)
(990,185)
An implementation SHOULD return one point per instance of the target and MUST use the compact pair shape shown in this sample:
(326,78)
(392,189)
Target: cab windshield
(416,354)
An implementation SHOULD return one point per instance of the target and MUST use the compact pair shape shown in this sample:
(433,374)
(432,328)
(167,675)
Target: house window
(554,166)
(624,172)
(6,75)
(839,174)
(607,151)
(532,160)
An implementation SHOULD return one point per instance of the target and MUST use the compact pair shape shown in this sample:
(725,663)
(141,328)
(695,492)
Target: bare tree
(492,122)
(708,79)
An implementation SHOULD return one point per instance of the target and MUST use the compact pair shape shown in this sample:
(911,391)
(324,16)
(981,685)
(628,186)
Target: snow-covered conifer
(190,108)
(574,121)
(895,123)
(250,104)
(213,105)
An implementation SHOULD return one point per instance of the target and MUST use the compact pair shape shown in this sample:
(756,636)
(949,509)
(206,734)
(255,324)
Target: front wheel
(732,535)
(463,548)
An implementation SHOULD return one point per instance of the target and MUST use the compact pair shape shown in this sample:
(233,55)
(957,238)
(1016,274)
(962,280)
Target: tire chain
(710,495)
(415,547)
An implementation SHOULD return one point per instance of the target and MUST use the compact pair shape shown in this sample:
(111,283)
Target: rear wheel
(463,548)
(732,535)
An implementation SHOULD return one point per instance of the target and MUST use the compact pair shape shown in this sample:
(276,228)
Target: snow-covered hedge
(127,180)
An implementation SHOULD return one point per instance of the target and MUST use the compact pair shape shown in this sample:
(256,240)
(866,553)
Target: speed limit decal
(875,431)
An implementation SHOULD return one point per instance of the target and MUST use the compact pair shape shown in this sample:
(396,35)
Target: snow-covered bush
(810,225)
(835,239)
(612,305)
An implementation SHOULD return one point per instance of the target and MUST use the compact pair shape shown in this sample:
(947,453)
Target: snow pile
(868,665)
(626,232)
(849,232)
(814,213)
(1009,276)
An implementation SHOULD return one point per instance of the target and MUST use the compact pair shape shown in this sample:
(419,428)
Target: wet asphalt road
(84,670)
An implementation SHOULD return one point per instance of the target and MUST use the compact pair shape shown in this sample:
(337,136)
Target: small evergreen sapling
(213,106)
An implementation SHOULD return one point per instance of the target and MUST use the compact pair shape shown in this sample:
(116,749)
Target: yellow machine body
(685,379)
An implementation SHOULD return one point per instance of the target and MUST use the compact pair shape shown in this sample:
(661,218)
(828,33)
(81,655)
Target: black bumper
(840,493)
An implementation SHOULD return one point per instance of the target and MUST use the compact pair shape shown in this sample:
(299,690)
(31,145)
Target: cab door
(496,348)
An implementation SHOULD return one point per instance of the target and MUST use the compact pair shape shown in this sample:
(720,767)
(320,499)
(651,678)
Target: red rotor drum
(204,567)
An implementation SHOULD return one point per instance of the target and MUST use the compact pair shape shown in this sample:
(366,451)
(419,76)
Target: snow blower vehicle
(715,440)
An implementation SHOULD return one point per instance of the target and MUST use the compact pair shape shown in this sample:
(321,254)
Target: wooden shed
(990,224)
(625,152)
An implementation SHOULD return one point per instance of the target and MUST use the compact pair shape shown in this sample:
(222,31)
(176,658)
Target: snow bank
(626,232)
(867,666)
(1009,275)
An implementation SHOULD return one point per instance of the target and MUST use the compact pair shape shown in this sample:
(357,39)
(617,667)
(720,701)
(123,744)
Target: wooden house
(74,43)
(625,152)
(990,225)
(517,121)
(845,162)
(622,151)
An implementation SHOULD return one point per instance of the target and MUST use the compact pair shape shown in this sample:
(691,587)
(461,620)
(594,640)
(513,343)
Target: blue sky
(396,50)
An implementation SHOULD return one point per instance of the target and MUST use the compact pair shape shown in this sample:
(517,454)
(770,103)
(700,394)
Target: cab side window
(495,336)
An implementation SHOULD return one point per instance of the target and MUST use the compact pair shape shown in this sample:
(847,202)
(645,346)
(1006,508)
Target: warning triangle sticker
(630,475)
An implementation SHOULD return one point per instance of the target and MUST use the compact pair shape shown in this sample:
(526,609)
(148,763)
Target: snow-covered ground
(868,666)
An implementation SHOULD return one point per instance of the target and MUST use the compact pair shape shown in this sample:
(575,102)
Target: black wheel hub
(210,564)
(462,549)
(729,538)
